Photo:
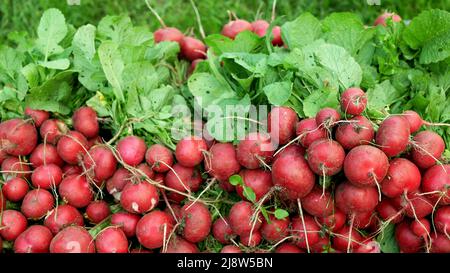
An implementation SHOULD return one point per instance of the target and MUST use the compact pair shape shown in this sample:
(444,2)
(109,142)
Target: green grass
(23,15)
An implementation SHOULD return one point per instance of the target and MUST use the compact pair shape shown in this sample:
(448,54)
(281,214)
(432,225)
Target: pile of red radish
(340,177)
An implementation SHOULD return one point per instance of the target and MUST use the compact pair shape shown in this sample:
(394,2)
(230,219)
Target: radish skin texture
(153,229)
(288,248)
(318,203)
(365,165)
(36,239)
(233,28)
(358,131)
(258,180)
(414,120)
(428,148)
(38,116)
(334,221)
(168,34)
(37,203)
(47,176)
(197,222)
(97,211)
(325,157)
(393,135)
(281,123)
(72,239)
(189,151)
(353,101)
(132,150)
(402,177)
(437,179)
(309,131)
(51,130)
(63,216)
(100,164)
(160,158)
(192,48)
(15,189)
(76,191)
(111,240)
(442,219)
(240,218)
(117,182)
(18,137)
(406,239)
(350,198)
(276,229)
(221,231)
(139,197)
(72,147)
(13,223)
(45,154)
(255,149)
(85,121)
(298,231)
(293,174)
(221,162)
(126,221)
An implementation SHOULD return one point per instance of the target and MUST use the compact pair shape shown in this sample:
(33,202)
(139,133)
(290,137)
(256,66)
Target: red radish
(132,150)
(416,206)
(118,181)
(47,176)
(222,232)
(72,239)
(126,221)
(75,190)
(159,178)
(365,165)
(139,197)
(221,161)
(293,149)
(381,20)
(37,203)
(346,237)
(193,66)
(197,222)
(393,135)
(402,177)
(158,157)
(350,198)
(388,211)
(230,249)
(318,203)
(71,170)
(174,212)
(308,131)
(189,151)
(253,240)
(436,180)
(168,34)
(97,211)
(306,233)
(192,48)
(100,163)
(440,243)
(85,121)
(18,137)
(414,120)
(15,167)
(353,101)
(146,170)
(363,220)
(241,218)
(38,116)
(322,245)
(258,180)
(15,189)
(406,239)
(281,123)
(259,27)
(288,248)
(233,28)
(94,141)
(153,229)
(277,39)
(357,131)
(421,227)
(45,154)
(63,216)
(368,246)
(181,179)
(52,130)
(226,186)
(325,157)
(72,147)
(111,240)
(333,222)
(254,150)
(13,223)
(180,245)
(427,149)
(36,239)
(327,117)
(276,229)
(293,174)
(442,219)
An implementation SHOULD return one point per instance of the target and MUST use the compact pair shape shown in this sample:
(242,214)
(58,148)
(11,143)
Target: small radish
(18,137)
(153,229)
(318,203)
(221,231)
(100,164)
(325,157)
(63,216)
(334,221)
(47,176)
(158,157)
(436,181)
(327,117)
(346,238)
(293,149)
(45,154)
(353,101)
(76,191)
(168,34)
(72,239)
(180,245)
(15,189)
(414,120)
(442,219)
(428,148)
(440,243)
(132,150)
(182,179)
(258,180)
(189,151)
(126,221)
(421,227)
(253,240)
(117,182)
(276,229)
(305,232)
(309,131)
(51,130)
(381,20)
(350,198)
(36,239)
(230,249)
(255,150)
(70,170)
(241,218)
(389,212)
(233,28)
(402,176)
(221,161)
(37,203)
(97,211)
(288,248)
(111,240)
(15,167)
(12,223)
(197,222)
(281,123)
(357,131)
(85,121)
(72,147)
(406,239)
(192,48)
(139,197)
(393,135)
(38,116)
